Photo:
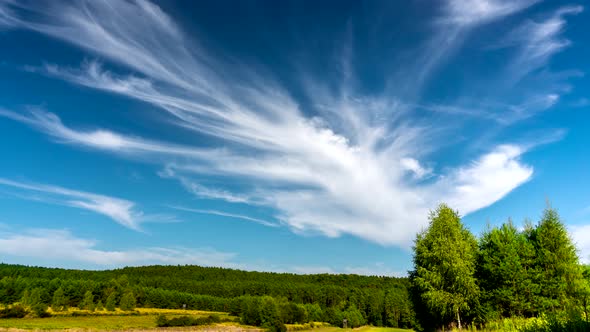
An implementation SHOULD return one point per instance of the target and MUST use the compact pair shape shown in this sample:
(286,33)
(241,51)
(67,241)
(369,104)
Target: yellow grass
(101,320)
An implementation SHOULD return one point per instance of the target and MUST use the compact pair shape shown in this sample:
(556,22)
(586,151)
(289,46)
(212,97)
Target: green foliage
(128,301)
(111,302)
(99,306)
(314,312)
(354,317)
(507,272)
(530,272)
(444,269)
(560,278)
(162,321)
(303,297)
(88,302)
(15,311)
(26,299)
(59,301)
(40,310)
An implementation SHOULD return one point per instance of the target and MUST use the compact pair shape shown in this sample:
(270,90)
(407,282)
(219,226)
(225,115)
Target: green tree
(99,305)
(35,297)
(353,317)
(560,271)
(60,301)
(584,295)
(506,272)
(111,302)
(444,267)
(128,301)
(26,299)
(88,301)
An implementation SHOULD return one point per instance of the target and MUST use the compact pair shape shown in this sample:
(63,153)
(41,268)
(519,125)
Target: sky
(289,136)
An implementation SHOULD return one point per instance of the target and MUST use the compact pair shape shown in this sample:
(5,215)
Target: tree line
(457,279)
(507,272)
(256,297)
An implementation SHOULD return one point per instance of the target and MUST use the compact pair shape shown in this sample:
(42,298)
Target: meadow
(140,318)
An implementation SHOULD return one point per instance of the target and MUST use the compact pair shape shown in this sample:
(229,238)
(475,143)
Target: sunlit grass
(141,318)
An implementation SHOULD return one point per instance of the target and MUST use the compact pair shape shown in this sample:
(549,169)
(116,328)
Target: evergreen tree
(26,299)
(99,305)
(560,276)
(60,301)
(353,317)
(506,272)
(444,266)
(128,301)
(111,302)
(88,301)
(36,296)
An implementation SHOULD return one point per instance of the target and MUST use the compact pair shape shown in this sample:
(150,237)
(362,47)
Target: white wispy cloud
(62,245)
(537,42)
(525,85)
(120,210)
(454,24)
(357,167)
(227,214)
(465,13)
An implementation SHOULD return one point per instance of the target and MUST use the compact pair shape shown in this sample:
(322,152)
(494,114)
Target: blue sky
(290,136)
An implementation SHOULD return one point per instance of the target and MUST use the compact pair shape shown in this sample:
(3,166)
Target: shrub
(40,310)
(162,321)
(16,311)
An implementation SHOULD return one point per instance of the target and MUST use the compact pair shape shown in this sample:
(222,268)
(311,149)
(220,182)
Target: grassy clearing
(101,320)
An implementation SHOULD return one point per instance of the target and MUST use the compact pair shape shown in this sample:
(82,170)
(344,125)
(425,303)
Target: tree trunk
(459,320)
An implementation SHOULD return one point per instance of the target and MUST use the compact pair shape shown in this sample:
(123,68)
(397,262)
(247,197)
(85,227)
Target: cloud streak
(226,214)
(356,167)
(120,210)
(62,245)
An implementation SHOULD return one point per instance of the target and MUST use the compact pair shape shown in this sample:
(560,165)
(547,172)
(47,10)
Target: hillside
(381,301)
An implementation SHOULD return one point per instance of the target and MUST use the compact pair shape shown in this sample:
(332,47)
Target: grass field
(102,320)
(145,319)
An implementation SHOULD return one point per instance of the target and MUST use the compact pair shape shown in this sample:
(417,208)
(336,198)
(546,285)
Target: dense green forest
(508,272)
(458,279)
(381,301)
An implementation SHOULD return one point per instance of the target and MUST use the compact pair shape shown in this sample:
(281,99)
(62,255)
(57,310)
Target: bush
(40,310)
(162,321)
(16,311)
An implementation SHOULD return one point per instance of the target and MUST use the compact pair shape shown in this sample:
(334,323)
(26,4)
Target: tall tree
(560,271)
(111,302)
(560,274)
(88,301)
(128,301)
(444,267)
(506,272)
(60,301)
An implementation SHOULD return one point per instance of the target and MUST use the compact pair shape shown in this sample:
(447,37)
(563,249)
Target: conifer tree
(128,301)
(560,274)
(99,305)
(444,266)
(111,302)
(506,272)
(88,301)
(60,301)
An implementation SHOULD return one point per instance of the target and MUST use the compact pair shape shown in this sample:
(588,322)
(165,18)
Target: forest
(379,301)
(531,273)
